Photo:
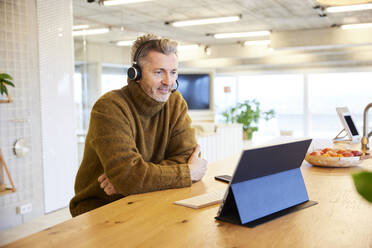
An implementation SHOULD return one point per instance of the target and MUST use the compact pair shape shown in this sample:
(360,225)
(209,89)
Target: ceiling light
(119,2)
(355,7)
(242,34)
(125,43)
(76,27)
(360,25)
(257,43)
(206,21)
(340,2)
(90,31)
(187,47)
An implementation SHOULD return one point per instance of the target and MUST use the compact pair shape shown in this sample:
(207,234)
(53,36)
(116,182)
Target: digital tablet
(349,125)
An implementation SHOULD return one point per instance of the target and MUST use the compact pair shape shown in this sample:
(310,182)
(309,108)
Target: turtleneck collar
(144,104)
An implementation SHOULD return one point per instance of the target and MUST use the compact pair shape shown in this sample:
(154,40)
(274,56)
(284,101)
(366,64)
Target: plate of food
(331,157)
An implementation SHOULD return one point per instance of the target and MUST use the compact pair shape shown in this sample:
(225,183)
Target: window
(283,93)
(225,95)
(78,99)
(330,90)
(113,78)
(303,108)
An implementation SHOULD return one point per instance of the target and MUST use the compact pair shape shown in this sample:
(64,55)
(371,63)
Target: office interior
(302,62)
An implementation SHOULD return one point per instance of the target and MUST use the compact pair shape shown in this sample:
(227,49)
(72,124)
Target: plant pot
(247,135)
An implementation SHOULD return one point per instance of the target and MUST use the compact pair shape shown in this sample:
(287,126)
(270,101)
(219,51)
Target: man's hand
(106,185)
(198,166)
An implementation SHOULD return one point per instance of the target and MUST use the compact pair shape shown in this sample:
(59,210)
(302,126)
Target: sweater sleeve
(114,143)
(182,141)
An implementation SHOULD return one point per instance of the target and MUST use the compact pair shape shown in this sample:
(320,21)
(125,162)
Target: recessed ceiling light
(257,43)
(76,27)
(360,25)
(205,21)
(90,31)
(241,34)
(125,43)
(355,7)
(119,2)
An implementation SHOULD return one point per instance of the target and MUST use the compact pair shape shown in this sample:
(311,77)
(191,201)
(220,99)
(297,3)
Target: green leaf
(6,76)
(248,114)
(3,90)
(6,91)
(363,184)
(8,82)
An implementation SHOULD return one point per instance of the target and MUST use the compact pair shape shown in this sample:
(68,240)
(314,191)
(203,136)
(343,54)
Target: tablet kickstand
(339,138)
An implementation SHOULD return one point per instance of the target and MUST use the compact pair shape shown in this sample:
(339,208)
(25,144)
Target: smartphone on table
(223,178)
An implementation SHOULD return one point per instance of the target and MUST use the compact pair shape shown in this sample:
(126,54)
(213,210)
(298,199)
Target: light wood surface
(6,191)
(9,100)
(341,219)
(3,166)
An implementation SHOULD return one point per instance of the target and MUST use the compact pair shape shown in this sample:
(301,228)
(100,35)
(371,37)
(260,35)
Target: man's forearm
(146,177)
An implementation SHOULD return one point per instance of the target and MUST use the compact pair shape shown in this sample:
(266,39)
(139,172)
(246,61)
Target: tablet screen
(351,125)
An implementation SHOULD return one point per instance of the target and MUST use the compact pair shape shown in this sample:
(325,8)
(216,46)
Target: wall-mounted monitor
(196,90)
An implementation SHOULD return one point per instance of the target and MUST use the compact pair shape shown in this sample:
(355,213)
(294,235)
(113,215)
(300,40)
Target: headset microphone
(174,90)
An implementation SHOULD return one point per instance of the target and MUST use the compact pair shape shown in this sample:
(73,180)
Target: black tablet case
(266,184)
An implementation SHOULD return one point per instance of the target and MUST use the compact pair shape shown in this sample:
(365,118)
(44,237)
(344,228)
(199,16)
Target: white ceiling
(150,17)
(300,38)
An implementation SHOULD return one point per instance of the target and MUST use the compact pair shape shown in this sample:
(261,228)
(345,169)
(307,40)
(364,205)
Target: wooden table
(341,219)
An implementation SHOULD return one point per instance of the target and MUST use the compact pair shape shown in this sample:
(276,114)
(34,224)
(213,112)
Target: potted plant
(247,113)
(5,80)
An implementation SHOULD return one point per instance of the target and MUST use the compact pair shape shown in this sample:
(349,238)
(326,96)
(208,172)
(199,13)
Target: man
(139,138)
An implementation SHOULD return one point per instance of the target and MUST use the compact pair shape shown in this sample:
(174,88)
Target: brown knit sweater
(140,144)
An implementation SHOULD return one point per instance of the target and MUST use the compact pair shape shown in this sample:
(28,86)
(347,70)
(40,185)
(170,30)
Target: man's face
(159,74)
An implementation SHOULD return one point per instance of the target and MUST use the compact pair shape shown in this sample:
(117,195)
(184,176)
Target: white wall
(56,64)
(21,118)
(36,48)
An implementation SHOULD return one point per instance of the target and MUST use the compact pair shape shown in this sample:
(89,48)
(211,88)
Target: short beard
(154,96)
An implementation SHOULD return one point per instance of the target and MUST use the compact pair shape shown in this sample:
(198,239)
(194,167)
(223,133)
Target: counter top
(340,219)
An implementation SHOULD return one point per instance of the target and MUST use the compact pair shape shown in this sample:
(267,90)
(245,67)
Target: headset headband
(139,50)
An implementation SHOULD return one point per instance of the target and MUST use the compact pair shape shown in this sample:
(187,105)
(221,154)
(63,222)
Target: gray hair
(153,43)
